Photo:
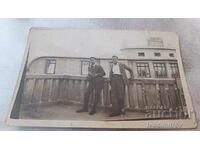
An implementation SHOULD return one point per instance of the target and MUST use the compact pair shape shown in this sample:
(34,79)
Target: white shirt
(116,69)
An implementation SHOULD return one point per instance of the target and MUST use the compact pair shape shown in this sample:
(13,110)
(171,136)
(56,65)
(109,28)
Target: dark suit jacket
(97,73)
(122,68)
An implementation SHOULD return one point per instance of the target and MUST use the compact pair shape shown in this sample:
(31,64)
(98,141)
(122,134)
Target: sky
(86,43)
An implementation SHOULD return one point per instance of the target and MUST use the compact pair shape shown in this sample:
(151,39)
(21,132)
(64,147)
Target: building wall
(67,66)
(63,66)
(132,53)
(133,66)
(72,66)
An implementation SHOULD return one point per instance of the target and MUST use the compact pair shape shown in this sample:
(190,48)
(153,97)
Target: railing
(141,94)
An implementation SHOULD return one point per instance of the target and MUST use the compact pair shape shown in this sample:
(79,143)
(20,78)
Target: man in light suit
(96,82)
(118,80)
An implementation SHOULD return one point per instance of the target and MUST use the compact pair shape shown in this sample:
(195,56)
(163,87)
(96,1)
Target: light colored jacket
(122,68)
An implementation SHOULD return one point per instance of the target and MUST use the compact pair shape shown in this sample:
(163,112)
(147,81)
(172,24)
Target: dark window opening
(157,54)
(50,66)
(84,67)
(143,70)
(160,70)
(141,54)
(174,70)
(171,54)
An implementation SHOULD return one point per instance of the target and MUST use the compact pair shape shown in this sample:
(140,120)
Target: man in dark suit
(96,82)
(118,80)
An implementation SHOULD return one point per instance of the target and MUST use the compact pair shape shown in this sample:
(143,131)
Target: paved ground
(68,112)
(62,112)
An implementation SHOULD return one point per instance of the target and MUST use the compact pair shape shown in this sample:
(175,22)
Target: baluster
(105,95)
(167,95)
(81,90)
(76,89)
(62,83)
(50,90)
(159,102)
(109,99)
(135,96)
(66,89)
(102,98)
(70,89)
(42,89)
(144,96)
(127,97)
(32,91)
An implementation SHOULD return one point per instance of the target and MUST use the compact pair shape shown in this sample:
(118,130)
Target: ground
(68,112)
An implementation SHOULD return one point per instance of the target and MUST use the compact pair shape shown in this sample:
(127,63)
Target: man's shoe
(92,112)
(82,110)
(115,114)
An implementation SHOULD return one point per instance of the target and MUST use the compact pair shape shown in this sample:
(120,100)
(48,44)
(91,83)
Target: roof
(149,48)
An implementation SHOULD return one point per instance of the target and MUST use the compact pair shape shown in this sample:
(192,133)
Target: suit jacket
(122,68)
(95,72)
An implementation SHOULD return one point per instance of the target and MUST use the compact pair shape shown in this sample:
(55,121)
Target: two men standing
(118,80)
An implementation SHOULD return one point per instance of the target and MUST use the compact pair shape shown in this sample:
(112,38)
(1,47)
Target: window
(50,66)
(160,70)
(141,54)
(84,67)
(143,70)
(156,54)
(171,54)
(174,70)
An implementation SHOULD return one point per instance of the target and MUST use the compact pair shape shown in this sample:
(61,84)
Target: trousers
(94,85)
(117,93)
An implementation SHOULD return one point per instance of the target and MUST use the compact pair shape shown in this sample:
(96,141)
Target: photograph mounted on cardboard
(102,79)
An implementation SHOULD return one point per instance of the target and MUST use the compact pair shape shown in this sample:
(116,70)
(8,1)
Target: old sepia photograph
(98,78)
